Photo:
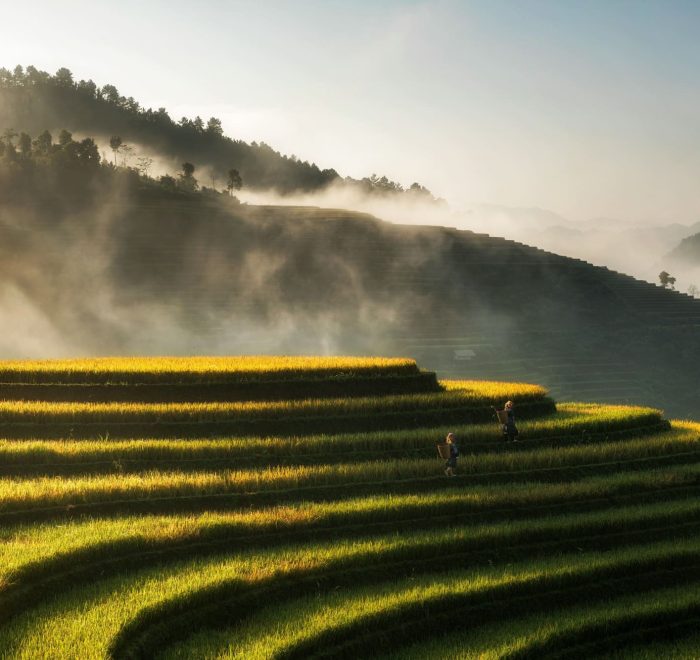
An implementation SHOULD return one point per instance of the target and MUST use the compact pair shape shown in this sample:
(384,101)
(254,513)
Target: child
(451,464)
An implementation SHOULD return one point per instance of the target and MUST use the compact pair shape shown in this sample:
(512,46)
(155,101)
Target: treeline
(33,99)
(62,170)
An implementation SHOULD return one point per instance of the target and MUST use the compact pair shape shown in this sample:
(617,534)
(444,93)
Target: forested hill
(33,100)
(688,252)
(96,259)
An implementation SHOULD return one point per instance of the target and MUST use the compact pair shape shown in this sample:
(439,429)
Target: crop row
(644,625)
(368,620)
(332,386)
(42,550)
(307,529)
(172,370)
(32,419)
(460,393)
(645,518)
(573,423)
(464,550)
(284,482)
(670,641)
(108,616)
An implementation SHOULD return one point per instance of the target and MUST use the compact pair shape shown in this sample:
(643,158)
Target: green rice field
(322,525)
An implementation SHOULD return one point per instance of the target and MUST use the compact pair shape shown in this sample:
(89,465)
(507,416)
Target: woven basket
(502,416)
(444,451)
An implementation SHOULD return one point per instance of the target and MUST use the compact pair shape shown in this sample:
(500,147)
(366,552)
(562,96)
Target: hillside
(125,268)
(598,240)
(325,527)
(32,101)
(687,253)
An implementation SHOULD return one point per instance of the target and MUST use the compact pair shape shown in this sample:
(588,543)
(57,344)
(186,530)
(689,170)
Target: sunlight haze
(588,109)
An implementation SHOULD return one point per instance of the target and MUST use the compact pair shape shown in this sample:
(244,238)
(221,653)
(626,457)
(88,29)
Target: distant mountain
(638,250)
(687,252)
(516,221)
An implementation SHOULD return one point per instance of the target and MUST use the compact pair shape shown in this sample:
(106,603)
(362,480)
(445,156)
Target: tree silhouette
(8,136)
(63,77)
(187,180)
(24,145)
(43,143)
(115,143)
(235,182)
(214,127)
(665,278)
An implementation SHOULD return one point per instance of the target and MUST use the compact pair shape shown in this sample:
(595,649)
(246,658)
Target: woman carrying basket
(450,451)
(507,418)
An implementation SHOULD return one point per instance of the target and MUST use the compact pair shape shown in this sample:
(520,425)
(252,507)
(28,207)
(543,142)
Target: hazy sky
(588,108)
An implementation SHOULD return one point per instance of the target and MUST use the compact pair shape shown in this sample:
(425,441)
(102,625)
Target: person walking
(451,464)
(510,431)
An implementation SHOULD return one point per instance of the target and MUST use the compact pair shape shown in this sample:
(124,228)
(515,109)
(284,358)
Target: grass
(26,548)
(18,494)
(91,616)
(580,423)
(198,369)
(331,510)
(20,418)
(681,647)
(359,609)
(523,637)
(460,393)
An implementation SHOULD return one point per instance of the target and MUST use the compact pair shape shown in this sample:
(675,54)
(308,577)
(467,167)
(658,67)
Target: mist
(639,248)
(123,275)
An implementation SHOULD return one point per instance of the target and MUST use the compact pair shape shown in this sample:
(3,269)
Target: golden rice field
(160,529)
(198,369)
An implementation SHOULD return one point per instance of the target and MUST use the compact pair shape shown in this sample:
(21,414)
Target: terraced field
(137,523)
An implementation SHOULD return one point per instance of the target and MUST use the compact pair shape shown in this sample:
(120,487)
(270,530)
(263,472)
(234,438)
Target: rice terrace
(350,330)
(182,508)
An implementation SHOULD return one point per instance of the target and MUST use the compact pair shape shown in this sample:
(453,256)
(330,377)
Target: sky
(590,109)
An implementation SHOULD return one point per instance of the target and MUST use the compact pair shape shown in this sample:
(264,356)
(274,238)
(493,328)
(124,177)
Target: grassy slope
(148,554)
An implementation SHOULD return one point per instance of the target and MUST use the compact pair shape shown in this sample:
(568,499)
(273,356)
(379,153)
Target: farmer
(510,431)
(451,464)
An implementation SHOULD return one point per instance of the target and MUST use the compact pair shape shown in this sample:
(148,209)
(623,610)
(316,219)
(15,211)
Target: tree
(419,191)
(132,105)
(19,74)
(43,143)
(693,291)
(143,164)
(167,182)
(88,153)
(8,136)
(127,152)
(115,143)
(36,77)
(64,77)
(235,182)
(110,93)
(666,279)
(187,180)
(214,127)
(87,87)
(65,138)
(24,145)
